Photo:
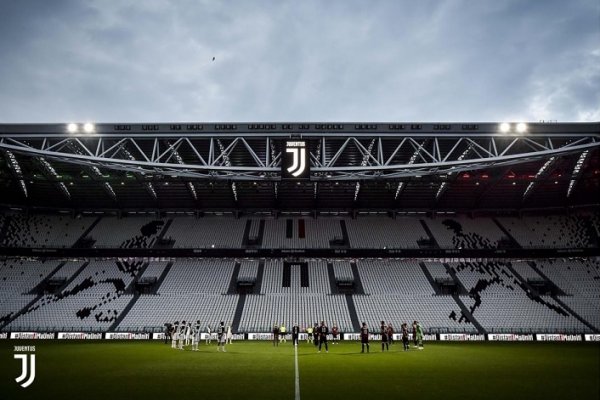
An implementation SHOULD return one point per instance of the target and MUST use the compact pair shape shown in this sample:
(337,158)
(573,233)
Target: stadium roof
(390,166)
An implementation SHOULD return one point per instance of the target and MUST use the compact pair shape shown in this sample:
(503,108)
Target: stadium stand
(90,300)
(549,231)
(466,233)
(98,295)
(368,232)
(137,232)
(206,232)
(379,232)
(499,301)
(51,231)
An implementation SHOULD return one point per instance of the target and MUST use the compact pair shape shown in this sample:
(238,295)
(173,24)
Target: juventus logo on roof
(295,165)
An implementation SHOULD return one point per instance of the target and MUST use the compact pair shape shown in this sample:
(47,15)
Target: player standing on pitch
(174,335)
(195,336)
(405,336)
(222,337)
(309,334)
(229,335)
(282,333)
(390,334)
(420,335)
(316,330)
(364,337)
(275,335)
(322,333)
(188,333)
(335,333)
(208,334)
(414,329)
(384,339)
(181,335)
(295,334)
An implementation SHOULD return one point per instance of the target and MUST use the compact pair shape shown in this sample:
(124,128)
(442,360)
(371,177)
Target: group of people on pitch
(317,334)
(387,336)
(186,334)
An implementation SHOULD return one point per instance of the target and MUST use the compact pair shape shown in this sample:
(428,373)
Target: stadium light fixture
(88,127)
(504,127)
(521,127)
(72,128)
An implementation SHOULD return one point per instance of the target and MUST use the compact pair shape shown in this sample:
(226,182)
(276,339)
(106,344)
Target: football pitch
(257,370)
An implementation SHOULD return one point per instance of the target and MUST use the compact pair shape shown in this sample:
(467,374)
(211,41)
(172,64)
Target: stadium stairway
(246,235)
(353,313)
(467,314)
(590,229)
(463,308)
(239,310)
(461,288)
(332,282)
(234,278)
(287,275)
(3,227)
(85,241)
(358,286)
(162,277)
(345,237)
(134,299)
(39,294)
(159,243)
(436,245)
(259,276)
(72,278)
(556,292)
(131,288)
(532,293)
(513,241)
(304,280)
(435,287)
(40,287)
(261,232)
(555,288)
(521,280)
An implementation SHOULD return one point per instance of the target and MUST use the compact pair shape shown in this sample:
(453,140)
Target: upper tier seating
(366,231)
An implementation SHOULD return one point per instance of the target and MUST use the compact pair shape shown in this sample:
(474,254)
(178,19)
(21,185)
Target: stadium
(113,235)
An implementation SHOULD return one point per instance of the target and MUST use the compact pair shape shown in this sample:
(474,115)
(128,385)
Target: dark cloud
(309,60)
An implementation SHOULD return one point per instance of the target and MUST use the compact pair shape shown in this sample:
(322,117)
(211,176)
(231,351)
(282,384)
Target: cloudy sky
(329,60)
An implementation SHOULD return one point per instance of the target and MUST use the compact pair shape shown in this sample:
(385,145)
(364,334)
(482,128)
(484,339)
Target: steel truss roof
(337,151)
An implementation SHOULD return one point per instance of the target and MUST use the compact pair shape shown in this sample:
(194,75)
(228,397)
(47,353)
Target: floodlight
(521,127)
(72,128)
(88,127)
(504,127)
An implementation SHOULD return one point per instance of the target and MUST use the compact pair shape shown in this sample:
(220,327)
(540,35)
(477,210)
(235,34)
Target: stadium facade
(470,228)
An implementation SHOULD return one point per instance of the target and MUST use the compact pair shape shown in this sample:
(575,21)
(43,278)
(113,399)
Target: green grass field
(257,370)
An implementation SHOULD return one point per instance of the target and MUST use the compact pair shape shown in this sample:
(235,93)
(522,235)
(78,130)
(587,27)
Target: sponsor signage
(79,335)
(461,337)
(431,337)
(3,335)
(296,163)
(592,338)
(557,337)
(510,337)
(260,336)
(269,336)
(126,336)
(32,335)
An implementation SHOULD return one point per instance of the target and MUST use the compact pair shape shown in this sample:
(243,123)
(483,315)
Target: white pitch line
(297,394)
